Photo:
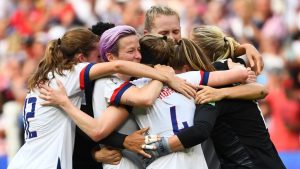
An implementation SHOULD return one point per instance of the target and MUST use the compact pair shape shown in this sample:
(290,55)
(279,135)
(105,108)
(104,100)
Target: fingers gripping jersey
(109,91)
(170,113)
(49,132)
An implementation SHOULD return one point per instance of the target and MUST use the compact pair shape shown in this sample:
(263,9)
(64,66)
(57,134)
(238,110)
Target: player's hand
(162,148)
(254,58)
(208,94)
(53,96)
(136,141)
(107,155)
(251,76)
(182,86)
(177,83)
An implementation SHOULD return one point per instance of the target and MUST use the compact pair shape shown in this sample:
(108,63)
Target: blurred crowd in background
(272,26)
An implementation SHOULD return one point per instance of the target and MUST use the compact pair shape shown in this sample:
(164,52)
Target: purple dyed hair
(110,38)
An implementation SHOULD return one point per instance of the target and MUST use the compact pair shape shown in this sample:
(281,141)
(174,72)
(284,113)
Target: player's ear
(183,69)
(186,68)
(81,58)
(110,57)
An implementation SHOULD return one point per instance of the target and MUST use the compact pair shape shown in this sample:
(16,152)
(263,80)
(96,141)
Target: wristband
(162,149)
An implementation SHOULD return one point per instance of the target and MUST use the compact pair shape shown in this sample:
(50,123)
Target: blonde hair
(155,11)
(158,49)
(214,43)
(188,53)
(60,54)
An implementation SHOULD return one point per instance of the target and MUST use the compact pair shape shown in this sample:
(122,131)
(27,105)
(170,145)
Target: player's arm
(204,120)
(142,97)
(251,91)
(127,94)
(138,70)
(132,142)
(220,78)
(96,129)
(126,67)
(106,155)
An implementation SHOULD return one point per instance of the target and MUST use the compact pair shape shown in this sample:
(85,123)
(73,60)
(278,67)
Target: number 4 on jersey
(174,120)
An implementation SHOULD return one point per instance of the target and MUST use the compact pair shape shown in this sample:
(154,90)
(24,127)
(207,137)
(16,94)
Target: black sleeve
(204,120)
(240,60)
(115,140)
(222,65)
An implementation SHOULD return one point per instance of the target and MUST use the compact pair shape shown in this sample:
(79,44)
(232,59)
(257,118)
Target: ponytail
(188,53)
(214,43)
(60,54)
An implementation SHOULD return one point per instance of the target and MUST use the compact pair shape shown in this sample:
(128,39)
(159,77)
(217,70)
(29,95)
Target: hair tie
(225,39)
(179,42)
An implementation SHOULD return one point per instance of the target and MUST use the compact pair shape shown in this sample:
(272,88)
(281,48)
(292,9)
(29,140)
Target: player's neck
(178,71)
(185,68)
(124,77)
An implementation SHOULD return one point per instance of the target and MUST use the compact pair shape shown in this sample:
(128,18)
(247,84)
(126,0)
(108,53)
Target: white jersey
(109,91)
(49,132)
(170,113)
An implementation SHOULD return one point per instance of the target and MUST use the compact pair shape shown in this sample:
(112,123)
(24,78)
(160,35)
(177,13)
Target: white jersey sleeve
(195,77)
(115,90)
(108,91)
(76,79)
(141,82)
(49,132)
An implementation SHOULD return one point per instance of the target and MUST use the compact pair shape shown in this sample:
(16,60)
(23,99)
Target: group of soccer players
(177,125)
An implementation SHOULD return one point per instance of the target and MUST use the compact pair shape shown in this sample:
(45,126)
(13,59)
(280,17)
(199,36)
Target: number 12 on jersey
(31,101)
(174,120)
